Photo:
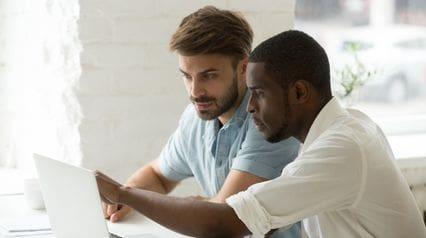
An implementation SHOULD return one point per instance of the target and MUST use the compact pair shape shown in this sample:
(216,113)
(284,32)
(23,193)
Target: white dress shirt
(344,183)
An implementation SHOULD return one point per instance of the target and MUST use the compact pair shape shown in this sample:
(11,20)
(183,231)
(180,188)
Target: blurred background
(92,82)
(377,51)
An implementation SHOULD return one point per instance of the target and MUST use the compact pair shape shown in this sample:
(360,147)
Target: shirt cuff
(257,168)
(251,213)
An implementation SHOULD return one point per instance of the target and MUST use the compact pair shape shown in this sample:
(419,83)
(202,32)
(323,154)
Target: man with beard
(216,141)
(344,182)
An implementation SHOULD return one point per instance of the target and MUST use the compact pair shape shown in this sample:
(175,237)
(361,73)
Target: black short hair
(294,55)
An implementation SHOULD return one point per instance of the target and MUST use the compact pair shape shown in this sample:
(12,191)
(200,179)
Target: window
(388,39)
(39,62)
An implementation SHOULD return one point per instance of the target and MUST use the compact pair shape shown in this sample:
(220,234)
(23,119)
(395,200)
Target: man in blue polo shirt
(216,141)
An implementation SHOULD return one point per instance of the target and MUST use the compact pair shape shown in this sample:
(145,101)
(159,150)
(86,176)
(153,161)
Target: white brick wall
(268,6)
(130,91)
(120,111)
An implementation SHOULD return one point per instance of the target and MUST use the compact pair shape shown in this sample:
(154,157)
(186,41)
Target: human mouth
(203,106)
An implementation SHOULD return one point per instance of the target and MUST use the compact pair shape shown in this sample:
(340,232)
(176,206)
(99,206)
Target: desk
(15,206)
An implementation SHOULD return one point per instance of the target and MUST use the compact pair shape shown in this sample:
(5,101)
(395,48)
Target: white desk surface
(15,206)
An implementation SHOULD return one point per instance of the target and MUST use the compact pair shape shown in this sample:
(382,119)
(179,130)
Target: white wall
(130,91)
(113,107)
(39,63)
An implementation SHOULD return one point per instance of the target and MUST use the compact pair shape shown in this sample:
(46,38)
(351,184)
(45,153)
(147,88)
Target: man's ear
(301,91)
(242,70)
(244,65)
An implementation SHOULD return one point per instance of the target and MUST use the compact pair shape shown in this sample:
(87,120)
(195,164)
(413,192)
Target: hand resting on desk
(115,212)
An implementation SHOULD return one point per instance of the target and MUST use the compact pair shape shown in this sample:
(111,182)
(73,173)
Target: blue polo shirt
(202,150)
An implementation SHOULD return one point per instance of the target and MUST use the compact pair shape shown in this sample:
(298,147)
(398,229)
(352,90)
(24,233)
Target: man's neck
(308,120)
(306,124)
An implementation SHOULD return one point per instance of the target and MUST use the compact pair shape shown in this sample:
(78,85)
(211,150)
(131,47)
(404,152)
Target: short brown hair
(213,31)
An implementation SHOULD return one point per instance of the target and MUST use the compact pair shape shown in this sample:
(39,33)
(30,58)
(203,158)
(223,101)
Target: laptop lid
(72,200)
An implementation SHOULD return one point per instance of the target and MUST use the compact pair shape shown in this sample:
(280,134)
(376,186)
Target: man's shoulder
(188,113)
(189,120)
(354,131)
(356,126)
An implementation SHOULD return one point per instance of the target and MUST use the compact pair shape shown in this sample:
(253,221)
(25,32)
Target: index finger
(104,177)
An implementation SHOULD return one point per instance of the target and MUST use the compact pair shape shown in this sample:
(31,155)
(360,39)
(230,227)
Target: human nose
(251,106)
(197,88)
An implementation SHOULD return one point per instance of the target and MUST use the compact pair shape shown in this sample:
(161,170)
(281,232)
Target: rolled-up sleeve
(326,177)
(249,211)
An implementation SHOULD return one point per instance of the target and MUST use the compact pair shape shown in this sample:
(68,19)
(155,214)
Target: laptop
(72,200)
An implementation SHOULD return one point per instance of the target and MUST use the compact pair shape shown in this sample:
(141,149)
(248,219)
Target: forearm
(235,182)
(147,178)
(186,216)
(216,199)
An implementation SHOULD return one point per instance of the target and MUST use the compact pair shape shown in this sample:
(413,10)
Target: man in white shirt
(344,183)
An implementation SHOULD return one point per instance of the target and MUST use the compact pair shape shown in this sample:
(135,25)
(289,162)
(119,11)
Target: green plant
(353,76)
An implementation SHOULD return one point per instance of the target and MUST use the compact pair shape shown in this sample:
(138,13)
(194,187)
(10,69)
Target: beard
(223,104)
(279,135)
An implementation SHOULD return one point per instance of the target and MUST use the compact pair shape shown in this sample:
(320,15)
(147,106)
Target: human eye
(210,76)
(186,76)
(256,94)
(260,93)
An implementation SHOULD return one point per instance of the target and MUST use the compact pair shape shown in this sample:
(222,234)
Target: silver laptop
(72,200)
